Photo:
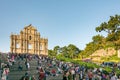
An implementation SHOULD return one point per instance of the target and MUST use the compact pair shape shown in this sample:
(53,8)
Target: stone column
(38,44)
(21,44)
(38,47)
(26,41)
(11,44)
(34,43)
(25,46)
(15,44)
(44,47)
(46,53)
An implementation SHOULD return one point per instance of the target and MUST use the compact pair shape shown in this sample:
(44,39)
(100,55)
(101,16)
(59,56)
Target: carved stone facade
(29,41)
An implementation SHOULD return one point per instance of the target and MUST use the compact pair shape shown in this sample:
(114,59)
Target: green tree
(91,47)
(112,27)
(51,53)
(64,51)
(70,51)
(56,50)
(73,51)
(98,42)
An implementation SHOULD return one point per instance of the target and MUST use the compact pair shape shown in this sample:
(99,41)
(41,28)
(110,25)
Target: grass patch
(89,65)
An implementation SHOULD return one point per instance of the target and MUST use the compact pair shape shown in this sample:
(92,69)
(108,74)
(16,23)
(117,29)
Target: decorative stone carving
(29,41)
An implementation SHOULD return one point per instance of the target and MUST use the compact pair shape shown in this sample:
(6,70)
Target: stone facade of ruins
(29,41)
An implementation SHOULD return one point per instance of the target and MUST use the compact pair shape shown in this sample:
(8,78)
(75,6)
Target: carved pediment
(30,27)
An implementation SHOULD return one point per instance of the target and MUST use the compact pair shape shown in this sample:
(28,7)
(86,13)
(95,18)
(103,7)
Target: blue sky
(63,22)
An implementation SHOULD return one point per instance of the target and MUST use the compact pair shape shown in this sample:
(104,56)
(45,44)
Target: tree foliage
(112,27)
(70,51)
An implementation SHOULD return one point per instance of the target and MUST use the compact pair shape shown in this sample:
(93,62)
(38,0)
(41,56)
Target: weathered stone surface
(29,41)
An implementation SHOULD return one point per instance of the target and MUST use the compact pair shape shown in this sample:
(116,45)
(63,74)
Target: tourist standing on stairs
(39,62)
(28,66)
(20,67)
(41,75)
(5,74)
(65,75)
(26,62)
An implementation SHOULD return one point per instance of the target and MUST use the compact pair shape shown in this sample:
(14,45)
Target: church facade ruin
(29,41)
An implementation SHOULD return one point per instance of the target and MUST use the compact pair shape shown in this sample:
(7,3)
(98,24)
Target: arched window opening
(30,37)
(17,45)
(29,46)
(41,47)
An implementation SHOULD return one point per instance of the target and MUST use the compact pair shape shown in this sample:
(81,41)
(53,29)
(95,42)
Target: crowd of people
(47,66)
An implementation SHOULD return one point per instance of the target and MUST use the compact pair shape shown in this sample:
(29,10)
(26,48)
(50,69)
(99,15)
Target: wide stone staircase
(16,74)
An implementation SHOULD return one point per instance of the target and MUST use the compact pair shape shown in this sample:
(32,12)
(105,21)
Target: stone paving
(16,74)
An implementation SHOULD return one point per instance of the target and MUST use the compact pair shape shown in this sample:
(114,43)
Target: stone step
(15,74)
